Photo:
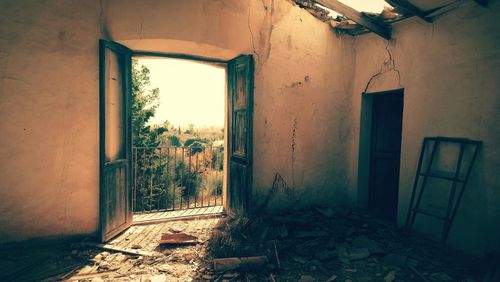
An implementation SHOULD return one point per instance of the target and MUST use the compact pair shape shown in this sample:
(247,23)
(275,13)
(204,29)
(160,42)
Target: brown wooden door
(387,120)
(240,133)
(115,138)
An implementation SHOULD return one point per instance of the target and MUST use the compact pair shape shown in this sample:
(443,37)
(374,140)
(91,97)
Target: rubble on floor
(326,244)
(321,244)
(136,255)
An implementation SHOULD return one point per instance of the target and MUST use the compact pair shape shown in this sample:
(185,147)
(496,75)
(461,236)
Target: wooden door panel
(240,133)
(114,105)
(240,124)
(115,139)
(115,189)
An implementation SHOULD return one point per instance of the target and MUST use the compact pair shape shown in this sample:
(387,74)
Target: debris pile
(327,244)
(314,9)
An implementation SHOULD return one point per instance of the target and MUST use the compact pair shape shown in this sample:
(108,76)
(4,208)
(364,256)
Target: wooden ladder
(458,178)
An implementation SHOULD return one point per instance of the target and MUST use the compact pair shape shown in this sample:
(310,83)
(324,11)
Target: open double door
(115,88)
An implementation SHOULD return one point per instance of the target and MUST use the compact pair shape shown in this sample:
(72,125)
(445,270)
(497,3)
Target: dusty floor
(314,245)
(83,261)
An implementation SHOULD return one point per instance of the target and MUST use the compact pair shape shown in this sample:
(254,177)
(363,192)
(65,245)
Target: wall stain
(103,22)
(266,31)
(293,148)
(61,35)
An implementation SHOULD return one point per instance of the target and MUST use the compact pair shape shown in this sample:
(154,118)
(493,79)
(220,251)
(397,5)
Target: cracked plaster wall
(449,72)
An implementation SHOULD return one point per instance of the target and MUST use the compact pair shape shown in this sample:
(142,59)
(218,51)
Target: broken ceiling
(345,19)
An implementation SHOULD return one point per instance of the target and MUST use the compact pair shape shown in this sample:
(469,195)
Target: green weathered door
(240,135)
(115,138)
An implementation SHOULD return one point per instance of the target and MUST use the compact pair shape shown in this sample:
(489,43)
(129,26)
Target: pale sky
(374,6)
(190,92)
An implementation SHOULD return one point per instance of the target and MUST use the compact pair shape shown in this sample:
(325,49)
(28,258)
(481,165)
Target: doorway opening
(380,152)
(157,167)
(178,138)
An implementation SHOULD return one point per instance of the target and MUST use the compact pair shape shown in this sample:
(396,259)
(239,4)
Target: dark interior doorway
(385,153)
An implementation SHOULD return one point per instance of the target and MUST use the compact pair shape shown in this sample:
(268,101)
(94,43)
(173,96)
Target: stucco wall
(49,98)
(48,118)
(449,72)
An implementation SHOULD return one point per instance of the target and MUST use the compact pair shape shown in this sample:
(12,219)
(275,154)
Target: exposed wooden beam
(437,12)
(370,23)
(483,3)
(412,9)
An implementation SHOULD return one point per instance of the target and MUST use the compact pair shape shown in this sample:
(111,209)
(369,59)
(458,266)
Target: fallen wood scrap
(134,252)
(243,263)
(90,275)
(419,274)
(130,273)
(178,239)
(311,234)
(278,263)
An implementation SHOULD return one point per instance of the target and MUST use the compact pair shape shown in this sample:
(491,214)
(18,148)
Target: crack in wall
(252,36)
(263,4)
(382,71)
(102,22)
(393,62)
(16,79)
(140,28)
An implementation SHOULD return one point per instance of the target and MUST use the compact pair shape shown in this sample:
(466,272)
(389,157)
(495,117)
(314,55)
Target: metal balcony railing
(172,178)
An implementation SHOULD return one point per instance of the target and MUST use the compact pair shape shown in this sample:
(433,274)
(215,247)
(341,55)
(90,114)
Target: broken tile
(332,278)
(390,277)
(306,278)
(325,255)
(395,259)
(358,253)
(363,242)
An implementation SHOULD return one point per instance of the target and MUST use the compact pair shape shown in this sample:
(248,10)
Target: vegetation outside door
(240,135)
(115,138)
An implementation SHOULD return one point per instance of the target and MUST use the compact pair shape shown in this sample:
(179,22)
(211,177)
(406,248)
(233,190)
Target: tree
(148,163)
(174,140)
(144,104)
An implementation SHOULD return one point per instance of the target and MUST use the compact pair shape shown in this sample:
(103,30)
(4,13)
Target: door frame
(210,61)
(365,143)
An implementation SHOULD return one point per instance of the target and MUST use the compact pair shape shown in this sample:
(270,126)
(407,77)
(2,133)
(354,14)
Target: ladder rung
(430,214)
(441,175)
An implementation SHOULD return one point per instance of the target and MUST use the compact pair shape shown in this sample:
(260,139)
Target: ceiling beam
(483,3)
(372,24)
(412,9)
